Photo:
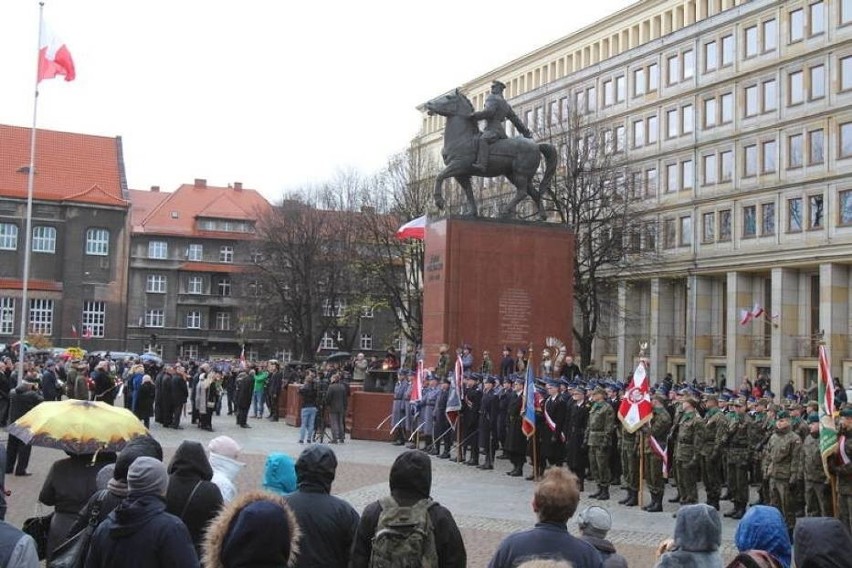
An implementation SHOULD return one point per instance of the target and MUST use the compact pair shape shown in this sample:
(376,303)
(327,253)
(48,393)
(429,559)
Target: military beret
(738,402)
(712,397)
(782,414)
(813,418)
(660,398)
(846,412)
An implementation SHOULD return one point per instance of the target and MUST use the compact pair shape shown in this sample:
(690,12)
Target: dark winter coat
(516,441)
(611,559)
(145,400)
(550,541)
(335,397)
(245,388)
(328,523)
(411,481)
(308,394)
(105,390)
(821,542)
(697,536)
(179,390)
(189,469)
(141,534)
(21,400)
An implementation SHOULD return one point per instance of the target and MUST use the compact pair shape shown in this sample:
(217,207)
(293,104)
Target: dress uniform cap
(738,402)
(490,380)
(813,418)
(599,390)
(518,380)
(551,382)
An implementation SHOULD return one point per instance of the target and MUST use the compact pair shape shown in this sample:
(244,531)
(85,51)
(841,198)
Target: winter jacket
(611,559)
(822,542)
(697,536)
(190,471)
(328,523)
(179,389)
(17,549)
(335,397)
(244,391)
(141,534)
(546,540)
(411,481)
(145,399)
(763,528)
(257,530)
(225,470)
(21,400)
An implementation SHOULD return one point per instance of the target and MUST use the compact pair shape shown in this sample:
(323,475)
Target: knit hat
(147,476)
(224,446)
(104,475)
(594,521)
(135,448)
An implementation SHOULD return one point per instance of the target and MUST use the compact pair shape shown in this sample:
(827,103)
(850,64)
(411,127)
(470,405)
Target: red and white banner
(661,453)
(417,385)
(53,56)
(636,408)
(414,229)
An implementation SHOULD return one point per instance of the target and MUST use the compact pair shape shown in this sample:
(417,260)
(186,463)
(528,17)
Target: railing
(761,346)
(678,345)
(806,345)
(718,345)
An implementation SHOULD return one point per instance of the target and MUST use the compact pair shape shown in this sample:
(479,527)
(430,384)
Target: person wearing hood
(139,533)
(22,399)
(697,537)
(224,452)
(328,523)
(144,406)
(257,529)
(595,522)
(279,474)
(410,481)
(191,496)
(821,542)
(763,528)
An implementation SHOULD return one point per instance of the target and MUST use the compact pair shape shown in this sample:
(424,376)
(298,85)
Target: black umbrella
(338,355)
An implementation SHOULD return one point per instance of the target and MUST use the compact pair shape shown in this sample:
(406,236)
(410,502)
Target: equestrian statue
(490,153)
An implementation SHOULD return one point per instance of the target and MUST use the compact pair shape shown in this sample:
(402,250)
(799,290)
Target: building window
(845,11)
(725,225)
(158,249)
(366,341)
(727,101)
(671,178)
(651,236)
(193,320)
(620,88)
(639,82)
(726,160)
(619,139)
(41,316)
(8,236)
(751,101)
(44,239)
(817,82)
(727,50)
(651,182)
(190,350)
(767,216)
(710,62)
(591,99)
(687,174)
(708,227)
(751,41)
(653,77)
(195,252)
(794,215)
(688,117)
(652,129)
(97,242)
(688,64)
(673,70)
(156,284)
(328,342)
(770,35)
(795,151)
(816,212)
(539,118)
(846,140)
(815,147)
(7,315)
(224,287)
(669,233)
(195,285)
(638,133)
(223,321)
(797,25)
(94,318)
(845,206)
(709,113)
(553,116)
(769,156)
(749,221)
(671,123)
(796,84)
(750,160)
(226,254)
(770,96)
(709,169)
(817,18)
(685,231)
(155,318)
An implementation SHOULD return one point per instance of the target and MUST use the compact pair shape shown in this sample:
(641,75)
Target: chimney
(200,182)
(155,188)
(238,186)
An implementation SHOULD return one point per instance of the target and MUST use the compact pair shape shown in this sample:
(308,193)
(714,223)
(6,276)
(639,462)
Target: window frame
(156,284)
(8,236)
(97,241)
(44,237)
(158,250)
(94,318)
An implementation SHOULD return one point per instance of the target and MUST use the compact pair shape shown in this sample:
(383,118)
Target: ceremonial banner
(528,408)
(636,408)
(825,398)
(454,397)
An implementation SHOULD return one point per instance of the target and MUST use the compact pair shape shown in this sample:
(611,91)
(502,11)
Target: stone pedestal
(491,283)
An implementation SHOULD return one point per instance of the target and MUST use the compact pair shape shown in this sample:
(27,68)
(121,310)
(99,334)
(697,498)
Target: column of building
(834,312)
(661,326)
(699,324)
(785,299)
(740,296)
(630,327)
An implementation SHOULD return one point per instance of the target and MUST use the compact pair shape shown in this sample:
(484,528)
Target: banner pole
(641,489)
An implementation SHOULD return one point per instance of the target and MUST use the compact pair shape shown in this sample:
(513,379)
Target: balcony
(761,346)
(806,345)
(209,300)
(719,345)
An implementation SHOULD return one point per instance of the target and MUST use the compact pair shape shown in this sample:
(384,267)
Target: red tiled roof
(189,202)
(39,285)
(69,167)
(211,267)
(143,203)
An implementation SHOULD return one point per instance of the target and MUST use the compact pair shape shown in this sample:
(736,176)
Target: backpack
(405,536)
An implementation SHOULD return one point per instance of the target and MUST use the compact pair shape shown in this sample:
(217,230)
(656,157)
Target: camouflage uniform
(844,483)
(714,422)
(816,483)
(659,427)
(630,464)
(738,448)
(690,434)
(601,426)
(782,449)
(443,366)
(761,430)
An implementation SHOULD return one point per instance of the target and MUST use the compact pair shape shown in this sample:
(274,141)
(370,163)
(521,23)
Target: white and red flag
(53,56)
(636,408)
(417,385)
(243,358)
(414,229)
(73,330)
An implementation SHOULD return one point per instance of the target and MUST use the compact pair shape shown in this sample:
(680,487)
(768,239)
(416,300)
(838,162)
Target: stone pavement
(487,505)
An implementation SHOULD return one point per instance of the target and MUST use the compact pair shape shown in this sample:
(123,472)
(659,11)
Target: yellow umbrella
(74,352)
(78,426)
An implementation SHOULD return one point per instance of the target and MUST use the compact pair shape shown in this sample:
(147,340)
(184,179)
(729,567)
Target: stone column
(629,329)
(834,312)
(739,336)
(785,303)
(699,324)
(662,326)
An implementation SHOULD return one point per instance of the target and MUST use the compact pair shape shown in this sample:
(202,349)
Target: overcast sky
(271,93)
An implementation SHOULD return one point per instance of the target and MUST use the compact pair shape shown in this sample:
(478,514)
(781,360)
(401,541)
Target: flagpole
(641,489)
(29,218)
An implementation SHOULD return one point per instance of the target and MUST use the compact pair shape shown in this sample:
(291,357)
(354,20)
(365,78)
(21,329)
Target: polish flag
(73,330)
(635,408)
(757,311)
(53,56)
(414,229)
(745,317)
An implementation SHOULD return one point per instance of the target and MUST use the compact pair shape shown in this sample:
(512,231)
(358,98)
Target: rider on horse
(495,113)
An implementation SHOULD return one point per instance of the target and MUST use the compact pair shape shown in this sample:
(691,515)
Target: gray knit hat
(147,476)
(594,521)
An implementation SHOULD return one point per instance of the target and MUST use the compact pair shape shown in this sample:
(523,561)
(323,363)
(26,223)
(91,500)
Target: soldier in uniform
(470,418)
(629,448)
(553,441)
(782,451)
(398,415)
(813,472)
(597,439)
(488,422)
(430,398)
(507,364)
(710,450)
(516,441)
(443,366)
(738,448)
(843,467)
(658,427)
(487,365)
(495,112)
(442,432)
(690,434)
(760,433)
(576,420)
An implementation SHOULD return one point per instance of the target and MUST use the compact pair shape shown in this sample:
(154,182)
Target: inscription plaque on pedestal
(491,283)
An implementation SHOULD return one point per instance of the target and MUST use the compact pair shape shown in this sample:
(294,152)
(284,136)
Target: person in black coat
(50,382)
(576,420)
(179,395)
(163,397)
(273,389)
(516,441)
(335,403)
(22,399)
(242,400)
(553,438)
(410,481)
(507,364)
(145,400)
(487,427)
(328,523)
(105,390)
(470,419)
(191,496)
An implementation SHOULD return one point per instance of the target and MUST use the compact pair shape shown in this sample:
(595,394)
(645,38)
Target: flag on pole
(825,398)
(636,408)
(661,453)
(528,408)
(417,385)
(745,317)
(53,56)
(414,229)
(757,311)
(73,330)
(243,358)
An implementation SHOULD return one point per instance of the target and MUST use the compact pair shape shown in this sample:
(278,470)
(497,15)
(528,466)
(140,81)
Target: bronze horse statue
(516,158)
